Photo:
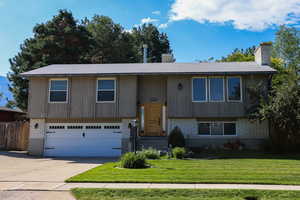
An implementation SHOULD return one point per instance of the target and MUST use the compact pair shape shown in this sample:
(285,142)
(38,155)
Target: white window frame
(49,89)
(241,88)
(142,118)
(210,135)
(223,100)
(206,89)
(115,90)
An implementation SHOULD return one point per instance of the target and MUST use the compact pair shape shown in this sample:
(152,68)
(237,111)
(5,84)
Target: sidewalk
(61,186)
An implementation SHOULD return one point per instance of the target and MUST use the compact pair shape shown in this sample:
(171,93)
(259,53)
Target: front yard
(258,169)
(182,194)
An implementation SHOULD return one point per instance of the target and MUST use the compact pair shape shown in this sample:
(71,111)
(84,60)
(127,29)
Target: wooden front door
(153,119)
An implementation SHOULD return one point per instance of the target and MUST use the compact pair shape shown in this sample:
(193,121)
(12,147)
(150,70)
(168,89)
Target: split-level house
(86,109)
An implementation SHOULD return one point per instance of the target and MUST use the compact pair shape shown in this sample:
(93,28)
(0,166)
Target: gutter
(150,73)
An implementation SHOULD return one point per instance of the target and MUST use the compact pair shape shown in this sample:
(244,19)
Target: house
(9,115)
(86,109)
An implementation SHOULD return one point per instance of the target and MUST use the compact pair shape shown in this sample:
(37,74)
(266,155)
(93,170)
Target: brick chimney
(262,53)
(167,58)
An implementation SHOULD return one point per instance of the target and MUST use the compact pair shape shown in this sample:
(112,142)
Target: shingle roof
(150,68)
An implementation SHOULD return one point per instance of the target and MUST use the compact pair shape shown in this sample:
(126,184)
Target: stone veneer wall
(36,137)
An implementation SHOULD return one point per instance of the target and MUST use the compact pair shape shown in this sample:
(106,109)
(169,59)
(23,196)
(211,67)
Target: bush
(150,153)
(178,152)
(176,138)
(133,161)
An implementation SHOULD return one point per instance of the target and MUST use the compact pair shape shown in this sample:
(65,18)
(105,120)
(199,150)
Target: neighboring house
(85,109)
(9,115)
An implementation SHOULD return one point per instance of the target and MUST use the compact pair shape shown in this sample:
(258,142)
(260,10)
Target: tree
(110,43)
(239,55)
(287,47)
(158,43)
(282,107)
(61,40)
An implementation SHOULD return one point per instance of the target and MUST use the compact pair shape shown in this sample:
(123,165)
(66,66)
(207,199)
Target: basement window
(217,128)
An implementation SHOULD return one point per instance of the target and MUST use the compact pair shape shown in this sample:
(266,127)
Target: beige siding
(38,93)
(248,129)
(57,110)
(83,97)
(127,96)
(180,103)
(152,89)
(82,100)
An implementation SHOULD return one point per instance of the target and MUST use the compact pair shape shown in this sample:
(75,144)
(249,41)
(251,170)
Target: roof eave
(149,73)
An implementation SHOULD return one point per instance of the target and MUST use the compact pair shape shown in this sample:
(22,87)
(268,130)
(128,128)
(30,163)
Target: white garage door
(83,140)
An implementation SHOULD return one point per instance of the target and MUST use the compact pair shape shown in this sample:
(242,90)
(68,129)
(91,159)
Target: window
(204,128)
(106,90)
(234,89)
(92,127)
(199,89)
(58,90)
(111,127)
(229,129)
(56,127)
(75,127)
(217,128)
(216,89)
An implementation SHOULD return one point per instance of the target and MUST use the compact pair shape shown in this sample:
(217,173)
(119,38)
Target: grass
(263,169)
(181,194)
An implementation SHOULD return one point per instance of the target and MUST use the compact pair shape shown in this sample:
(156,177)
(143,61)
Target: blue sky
(197,29)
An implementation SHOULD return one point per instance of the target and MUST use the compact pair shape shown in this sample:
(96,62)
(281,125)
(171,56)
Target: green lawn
(259,170)
(181,194)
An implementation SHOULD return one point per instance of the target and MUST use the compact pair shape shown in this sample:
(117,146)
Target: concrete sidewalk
(61,186)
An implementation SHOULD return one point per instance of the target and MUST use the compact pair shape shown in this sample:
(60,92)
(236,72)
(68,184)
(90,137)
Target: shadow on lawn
(246,155)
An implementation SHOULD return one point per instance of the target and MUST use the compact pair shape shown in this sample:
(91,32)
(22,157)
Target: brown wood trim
(87,120)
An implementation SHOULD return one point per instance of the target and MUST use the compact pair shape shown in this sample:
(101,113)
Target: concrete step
(159,143)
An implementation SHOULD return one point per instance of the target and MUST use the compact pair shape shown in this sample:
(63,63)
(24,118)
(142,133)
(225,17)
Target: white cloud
(162,26)
(156,12)
(148,20)
(128,30)
(252,15)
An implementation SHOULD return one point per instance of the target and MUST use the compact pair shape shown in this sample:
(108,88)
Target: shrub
(133,161)
(178,152)
(151,153)
(176,138)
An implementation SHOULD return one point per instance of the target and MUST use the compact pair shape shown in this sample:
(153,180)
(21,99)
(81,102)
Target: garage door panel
(83,142)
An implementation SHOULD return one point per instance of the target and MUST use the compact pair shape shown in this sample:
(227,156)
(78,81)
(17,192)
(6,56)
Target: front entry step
(159,143)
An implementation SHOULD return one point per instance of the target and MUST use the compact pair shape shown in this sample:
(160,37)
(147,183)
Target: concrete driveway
(21,175)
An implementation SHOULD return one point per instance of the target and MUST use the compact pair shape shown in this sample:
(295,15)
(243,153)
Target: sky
(197,29)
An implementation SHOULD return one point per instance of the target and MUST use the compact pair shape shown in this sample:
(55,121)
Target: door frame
(142,120)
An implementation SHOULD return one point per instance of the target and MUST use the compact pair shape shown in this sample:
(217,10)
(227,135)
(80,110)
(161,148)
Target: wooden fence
(14,135)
